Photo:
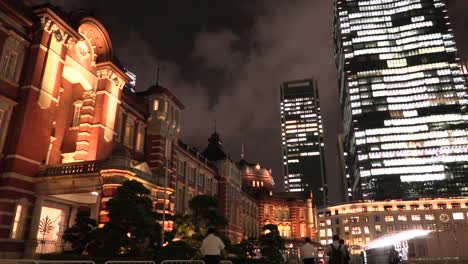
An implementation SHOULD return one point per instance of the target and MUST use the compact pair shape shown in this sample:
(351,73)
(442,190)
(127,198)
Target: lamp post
(166,167)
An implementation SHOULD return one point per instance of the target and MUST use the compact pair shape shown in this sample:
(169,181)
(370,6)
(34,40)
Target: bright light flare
(397,238)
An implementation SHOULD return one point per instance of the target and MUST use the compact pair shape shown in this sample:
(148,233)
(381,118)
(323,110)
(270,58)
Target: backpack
(393,258)
(336,256)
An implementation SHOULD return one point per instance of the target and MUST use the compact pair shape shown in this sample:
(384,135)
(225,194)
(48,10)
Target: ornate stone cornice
(53,24)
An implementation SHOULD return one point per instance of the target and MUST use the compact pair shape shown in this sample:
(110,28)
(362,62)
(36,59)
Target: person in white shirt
(308,252)
(212,248)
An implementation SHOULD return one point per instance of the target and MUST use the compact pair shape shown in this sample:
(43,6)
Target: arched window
(12,60)
(129,132)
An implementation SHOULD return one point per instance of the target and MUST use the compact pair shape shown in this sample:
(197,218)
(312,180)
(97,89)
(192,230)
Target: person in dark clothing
(335,251)
(393,256)
(347,257)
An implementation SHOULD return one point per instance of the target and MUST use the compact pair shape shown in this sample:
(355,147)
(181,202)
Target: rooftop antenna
(157,76)
(242,149)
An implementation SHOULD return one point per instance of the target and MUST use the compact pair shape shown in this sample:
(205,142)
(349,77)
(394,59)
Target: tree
(132,228)
(271,244)
(205,213)
(79,235)
(183,226)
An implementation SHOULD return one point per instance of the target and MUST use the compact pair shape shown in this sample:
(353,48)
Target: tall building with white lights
(302,139)
(403,98)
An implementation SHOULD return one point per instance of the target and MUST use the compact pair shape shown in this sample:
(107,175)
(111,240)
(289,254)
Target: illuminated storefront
(403,98)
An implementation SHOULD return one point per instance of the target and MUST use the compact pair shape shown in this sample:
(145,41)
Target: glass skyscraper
(302,138)
(403,99)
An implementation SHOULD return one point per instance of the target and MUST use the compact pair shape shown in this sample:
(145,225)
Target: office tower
(403,99)
(302,138)
(343,171)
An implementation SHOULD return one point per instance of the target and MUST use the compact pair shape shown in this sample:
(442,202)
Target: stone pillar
(73,212)
(310,218)
(31,242)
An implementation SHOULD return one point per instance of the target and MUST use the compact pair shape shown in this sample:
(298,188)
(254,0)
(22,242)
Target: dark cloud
(227,59)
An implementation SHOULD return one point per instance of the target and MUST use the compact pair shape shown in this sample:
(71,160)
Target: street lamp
(166,167)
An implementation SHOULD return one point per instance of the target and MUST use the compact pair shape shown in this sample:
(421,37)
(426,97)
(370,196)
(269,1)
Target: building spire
(242,149)
(157,76)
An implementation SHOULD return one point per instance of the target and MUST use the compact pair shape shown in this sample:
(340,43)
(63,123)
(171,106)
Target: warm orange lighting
(156,105)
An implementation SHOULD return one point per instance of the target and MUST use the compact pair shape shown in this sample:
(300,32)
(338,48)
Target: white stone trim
(16,156)
(18,176)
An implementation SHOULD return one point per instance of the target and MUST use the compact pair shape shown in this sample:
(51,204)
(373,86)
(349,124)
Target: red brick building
(71,131)
(293,213)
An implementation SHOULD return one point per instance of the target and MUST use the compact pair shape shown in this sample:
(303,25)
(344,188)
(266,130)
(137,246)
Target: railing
(183,262)
(129,262)
(65,261)
(446,260)
(37,261)
(72,168)
(17,261)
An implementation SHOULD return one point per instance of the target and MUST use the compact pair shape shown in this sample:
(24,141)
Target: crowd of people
(337,252)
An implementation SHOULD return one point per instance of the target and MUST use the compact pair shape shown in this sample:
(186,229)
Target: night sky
(226,60)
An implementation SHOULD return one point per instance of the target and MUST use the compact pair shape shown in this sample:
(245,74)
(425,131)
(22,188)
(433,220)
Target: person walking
(335,251)
(212,248)
(393,256)
(347,257)
(308,252)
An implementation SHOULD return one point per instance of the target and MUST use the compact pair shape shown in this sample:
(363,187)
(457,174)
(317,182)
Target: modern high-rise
(302,139)
(403,98)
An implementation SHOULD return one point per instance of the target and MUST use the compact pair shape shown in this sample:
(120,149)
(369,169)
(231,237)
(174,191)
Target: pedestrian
(308,252)
(212,248)
(347,257)
(335,251)
(393,256)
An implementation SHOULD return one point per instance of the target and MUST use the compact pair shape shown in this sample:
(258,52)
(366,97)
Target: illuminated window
(366,230)
(403,218)
(389,218)
(267,211)
(129,132)
(367,240)
(329,232)
(156,105)
(77,114)
(323,241)
(356,230)
(140,140)
(321,223)
(328,222)
(302,214)
(5,115)
(118,127)
(50,230)
(416,217)
(346,230)
(429,217)
(458,216)
(11,60)
(378,228)
(303,230)
(355,219)
(16,230)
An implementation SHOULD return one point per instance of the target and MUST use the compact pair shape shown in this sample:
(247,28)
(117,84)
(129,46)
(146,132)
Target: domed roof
(215,150)
(255,172)
(251,168)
